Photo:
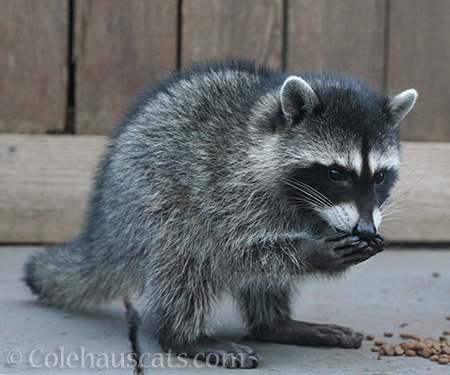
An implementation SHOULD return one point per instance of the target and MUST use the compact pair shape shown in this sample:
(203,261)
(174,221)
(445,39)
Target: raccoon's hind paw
(215,351)
(303,333)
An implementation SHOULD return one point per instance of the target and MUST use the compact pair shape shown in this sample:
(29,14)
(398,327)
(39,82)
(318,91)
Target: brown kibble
(378,357)
(383,349)
(448,317)
(434,358)
(446,349)
(407,345)
(436,274)
(370,337)
(443,338)
(411,336)
(388,334)
(443,361)
(419,345)
(446,332)
(398,350)
(435,351)
(376,349)
(379,342)
(426,353)
(410,353)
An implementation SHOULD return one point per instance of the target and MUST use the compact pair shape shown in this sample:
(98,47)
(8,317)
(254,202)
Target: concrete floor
(394,288)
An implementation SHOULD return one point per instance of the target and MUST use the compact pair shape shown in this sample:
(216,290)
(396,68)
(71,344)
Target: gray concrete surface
(395,288)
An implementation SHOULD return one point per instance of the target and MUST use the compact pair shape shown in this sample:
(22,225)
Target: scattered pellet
(446,332)
(370,337)
(448,317)
(378,356)
(410,336)
(436,274)
(425,353)
(388,334)
(398,350)
(426,347)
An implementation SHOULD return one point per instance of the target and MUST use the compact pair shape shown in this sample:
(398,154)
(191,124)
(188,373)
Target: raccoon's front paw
(353,249)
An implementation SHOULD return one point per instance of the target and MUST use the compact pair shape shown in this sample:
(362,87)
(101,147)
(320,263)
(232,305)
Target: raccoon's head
(339,145)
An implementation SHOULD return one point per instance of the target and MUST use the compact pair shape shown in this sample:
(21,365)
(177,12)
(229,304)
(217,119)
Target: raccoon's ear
(401,104)
(297,98)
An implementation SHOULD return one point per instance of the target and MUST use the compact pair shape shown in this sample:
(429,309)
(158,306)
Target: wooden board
(216,28)
(33,61)
(45,183)
(419,55)
(337,35)
(120,47)
(422,195)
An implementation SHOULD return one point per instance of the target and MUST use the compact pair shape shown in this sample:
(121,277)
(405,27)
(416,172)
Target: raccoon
(232,177)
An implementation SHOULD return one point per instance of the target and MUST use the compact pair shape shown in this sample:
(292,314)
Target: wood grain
(217,28)
(120,47)
(33,61)
(45,182)
(419,56)
(337,35)
(44,185)
(421,200)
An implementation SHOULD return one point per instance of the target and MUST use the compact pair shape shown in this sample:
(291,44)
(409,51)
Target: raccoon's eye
(379,178)
(335,174)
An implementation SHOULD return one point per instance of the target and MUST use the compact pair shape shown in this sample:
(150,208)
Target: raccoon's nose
(365,229)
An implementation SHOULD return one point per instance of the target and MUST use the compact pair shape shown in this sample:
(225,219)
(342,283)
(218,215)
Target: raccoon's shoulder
(232,68)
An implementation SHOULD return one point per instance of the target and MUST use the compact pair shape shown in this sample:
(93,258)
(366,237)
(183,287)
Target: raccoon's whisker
(309,187)
(304,203)
(394,205)
(313,193)
(313,198)
(394,201)
(305,191)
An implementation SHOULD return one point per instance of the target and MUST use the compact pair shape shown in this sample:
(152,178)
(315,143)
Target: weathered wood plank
(337,35)
(33,60)
(44,185)
(45,182)
(419,55)
(120,47)
(422,211)
(216,28)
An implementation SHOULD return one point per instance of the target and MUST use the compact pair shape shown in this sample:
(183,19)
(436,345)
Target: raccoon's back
(179,145)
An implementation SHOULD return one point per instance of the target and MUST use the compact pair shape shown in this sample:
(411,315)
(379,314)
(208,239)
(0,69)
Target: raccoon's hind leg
(267,313)
(180,298)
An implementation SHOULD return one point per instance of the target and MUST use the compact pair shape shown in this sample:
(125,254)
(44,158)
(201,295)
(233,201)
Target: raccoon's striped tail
(65,277)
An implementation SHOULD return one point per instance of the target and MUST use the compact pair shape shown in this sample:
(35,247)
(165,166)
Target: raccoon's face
(341,143)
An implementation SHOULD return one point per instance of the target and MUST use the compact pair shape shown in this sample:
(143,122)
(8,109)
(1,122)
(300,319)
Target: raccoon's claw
(353,250)
(377,242)
(215,351)
(342,242)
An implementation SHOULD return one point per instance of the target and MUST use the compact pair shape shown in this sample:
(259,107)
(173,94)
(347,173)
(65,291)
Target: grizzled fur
(191,199)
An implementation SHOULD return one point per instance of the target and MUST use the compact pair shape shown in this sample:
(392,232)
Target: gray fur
(188,204)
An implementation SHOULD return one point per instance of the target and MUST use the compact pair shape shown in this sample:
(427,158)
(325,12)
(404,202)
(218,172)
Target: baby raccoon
(231,177)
